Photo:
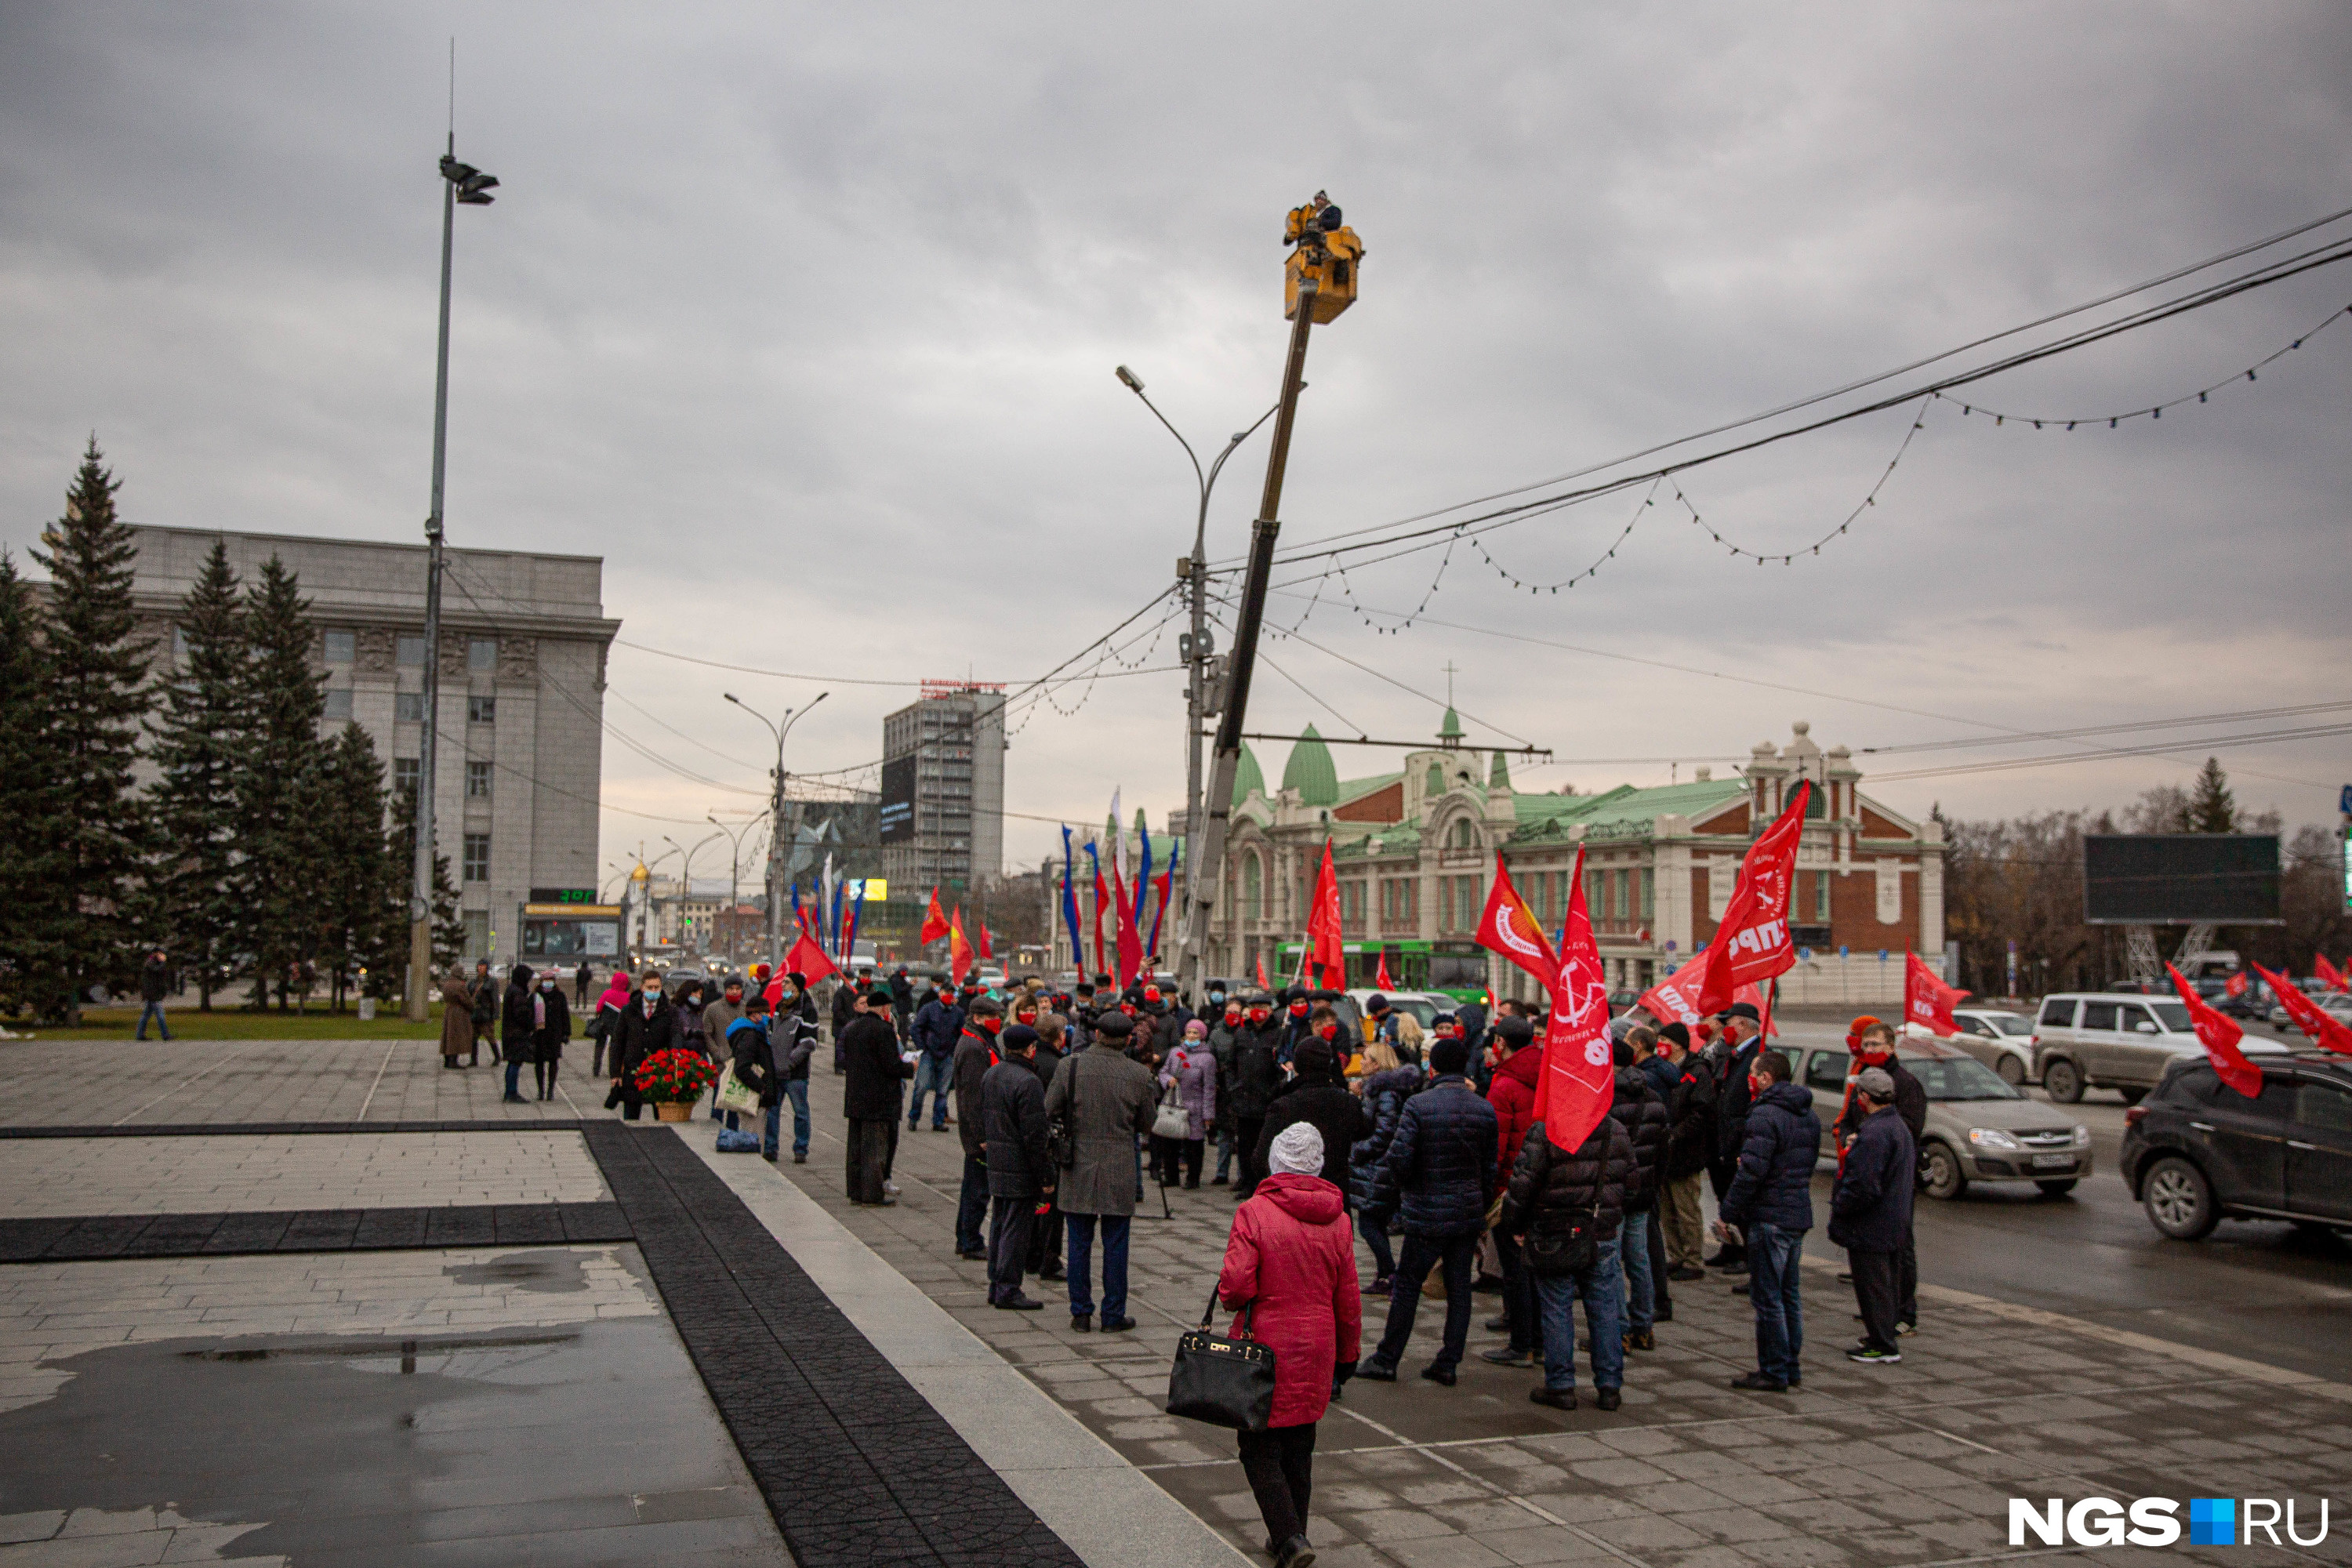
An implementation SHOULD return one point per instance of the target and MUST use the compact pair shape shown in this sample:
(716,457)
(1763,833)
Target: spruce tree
(96,694)
(388,971)
(278,784)
(199,747)
(36,908)
(358,888)
(2211,807)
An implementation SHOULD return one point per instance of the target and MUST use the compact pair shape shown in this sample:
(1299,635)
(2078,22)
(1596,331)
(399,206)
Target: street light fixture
(776,829)
(734,881)
(1196,647)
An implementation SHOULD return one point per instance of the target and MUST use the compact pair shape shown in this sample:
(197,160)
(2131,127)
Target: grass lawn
(227,1022)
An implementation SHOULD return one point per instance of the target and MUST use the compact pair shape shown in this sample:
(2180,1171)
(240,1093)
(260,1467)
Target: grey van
(2110,1040)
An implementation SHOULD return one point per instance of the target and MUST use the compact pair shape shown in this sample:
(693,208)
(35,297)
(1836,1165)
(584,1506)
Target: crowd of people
(1421,1140)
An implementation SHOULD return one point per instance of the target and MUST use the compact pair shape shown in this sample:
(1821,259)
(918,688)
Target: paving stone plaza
(328,1303)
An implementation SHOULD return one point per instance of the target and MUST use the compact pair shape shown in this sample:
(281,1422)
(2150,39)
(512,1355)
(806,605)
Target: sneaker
(1375,1371)
(1608,1399)
(976,1253)
(1558,1398)
(1757,1382)
(770,1157)
(1441,1375)
(1870,1355)
(891,1188)
(1016,1302)
(1508,1357)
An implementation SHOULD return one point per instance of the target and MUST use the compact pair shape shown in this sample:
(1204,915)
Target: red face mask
(992,1025)
(1128,1008)
(1026,1015)
(1233,1014)
(1298,1009)
(1257,1014)
(1330,1031)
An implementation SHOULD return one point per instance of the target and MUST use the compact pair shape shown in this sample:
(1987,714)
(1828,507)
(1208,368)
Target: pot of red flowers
(674,1079)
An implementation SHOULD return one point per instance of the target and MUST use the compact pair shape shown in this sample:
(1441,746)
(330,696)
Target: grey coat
(1115,1101)
(1196,1081)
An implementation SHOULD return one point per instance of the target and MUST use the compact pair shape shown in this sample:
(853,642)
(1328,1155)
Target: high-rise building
(943,789)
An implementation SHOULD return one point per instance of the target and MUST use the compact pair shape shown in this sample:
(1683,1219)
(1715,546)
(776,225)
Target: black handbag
(1062,1130)
(1223,1382)
(1572,1251)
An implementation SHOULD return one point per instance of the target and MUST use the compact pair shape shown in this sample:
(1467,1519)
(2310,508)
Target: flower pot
(674,1109)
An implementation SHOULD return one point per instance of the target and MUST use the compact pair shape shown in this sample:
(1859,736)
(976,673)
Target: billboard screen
(2180,878)
(898,800)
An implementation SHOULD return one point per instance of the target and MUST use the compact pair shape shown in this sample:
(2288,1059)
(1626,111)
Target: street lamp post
(734,881)
(776,840)
(1196,649)
(686,871)
(461,184)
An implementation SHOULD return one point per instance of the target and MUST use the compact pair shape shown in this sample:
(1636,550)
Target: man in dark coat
(1013,1116)
(647,1025)
(1771,1200)
(1870,1211)
(870,1098)
(1690,1140)
(1440,1174)
(485,1016)
(514,1030)
(155,984)
(902,1000)
(1046,1236)
(1874,1047)
(1257,1073)
(1638,1110)
(936,1029)
(1554,1195)
(1105,1098)
(1317,1094)
(582,985)
(1224,1039)
(1732,1057)
(792,1028)
(975,1053)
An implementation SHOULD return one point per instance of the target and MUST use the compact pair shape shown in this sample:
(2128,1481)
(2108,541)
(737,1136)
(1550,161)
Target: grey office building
(942,808)
(523,641)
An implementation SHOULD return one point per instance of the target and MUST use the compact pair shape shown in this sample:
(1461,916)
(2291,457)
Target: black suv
(2196,1152)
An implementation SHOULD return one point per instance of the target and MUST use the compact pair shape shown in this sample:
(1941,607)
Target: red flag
(809,960)
(1102,894)
(1382,978)
(1578,1081)
(1262,982)
(1130,941)
(958,948)
(2313,1019)
(935,921)
(2327,971)
(1675,999)
(985,946)
(2235,986)
(1751,941)
(1506,927)
(1926,1000)
(1323,932)
(2220,1036)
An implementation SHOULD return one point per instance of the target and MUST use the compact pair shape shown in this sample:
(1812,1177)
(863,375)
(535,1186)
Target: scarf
(538,1010)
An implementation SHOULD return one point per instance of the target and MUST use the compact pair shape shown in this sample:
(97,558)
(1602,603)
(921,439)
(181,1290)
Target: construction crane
(1318,281)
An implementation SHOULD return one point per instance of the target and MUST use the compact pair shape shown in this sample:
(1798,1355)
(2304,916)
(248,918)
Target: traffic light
(1326,250)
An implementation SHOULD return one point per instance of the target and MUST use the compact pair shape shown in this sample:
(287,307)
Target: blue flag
(1070,903)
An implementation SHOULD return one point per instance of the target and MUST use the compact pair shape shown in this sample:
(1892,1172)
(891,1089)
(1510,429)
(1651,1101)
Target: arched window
(1252,887)
(1465,835)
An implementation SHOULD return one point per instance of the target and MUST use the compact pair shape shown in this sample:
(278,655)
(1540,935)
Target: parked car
(1424,1006)
(2113,1041)
(2003,1041)
(2335,1003)
(1980,1128)
(2196,1152)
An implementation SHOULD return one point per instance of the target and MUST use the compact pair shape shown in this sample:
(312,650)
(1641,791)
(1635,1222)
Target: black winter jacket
(792,1028)
(1775,1183)
(1637,1110)
(1257,1071)
(1910,1104)
(637,1036)
(1384,1094)
(1331,1107)
(938,1025)
(1690,1120)
(1870,1207)
(1012,1113)
(869,1050)
(1439,1171)
(1732,1098)
(1553,1193)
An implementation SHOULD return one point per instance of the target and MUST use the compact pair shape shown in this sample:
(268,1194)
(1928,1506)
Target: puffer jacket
(1637,1110)
(1775,1183)
(1292,1253)
(1439,1171)
(1324,1101)
(1383,1094)
(1553,1193)
(1012,1114)
(1513,1095)
(1690,1119)
(1256,1072)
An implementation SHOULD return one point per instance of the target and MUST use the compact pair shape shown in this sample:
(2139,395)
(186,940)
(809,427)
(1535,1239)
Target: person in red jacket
(1291,1263)
(1518,1063)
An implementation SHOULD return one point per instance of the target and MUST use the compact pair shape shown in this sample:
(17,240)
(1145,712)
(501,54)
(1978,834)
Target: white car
(2335,1004)
(2002,1040)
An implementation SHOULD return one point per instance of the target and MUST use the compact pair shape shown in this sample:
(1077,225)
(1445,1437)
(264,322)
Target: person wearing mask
(718,1017)
(1470,1022)
(1732,1057)
(156,986)
(1224,1039)
(1650,1056)
(975,1053)
(456,1016)
(1379,1022)
(1384,1088)
(647,1025)
(1518,1066)
(869,1099)
(1013,1116)
(1566,1208)
(792,1030)
(1289,1278)
(1297,1022)
(1053,1036)
(750,1048)
(550,1025)
(1190,1073)
(687,1001)
(514,1030)
(1690,1137)
(1638,1108)
(487,1010)
(1439,1173)
(1105,1100)
(1257,1073)
(1771,1199)
(1872,1043)
(605,1027)
(845,993)
(1317,1093)
(938,1025)
(1870,1211)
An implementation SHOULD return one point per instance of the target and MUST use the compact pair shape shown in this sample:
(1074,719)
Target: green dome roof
(1311,772)
(1450,733)
(1501,777)
(1247,778)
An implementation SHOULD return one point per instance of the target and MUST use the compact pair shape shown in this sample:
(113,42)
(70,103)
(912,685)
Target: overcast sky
(804,319)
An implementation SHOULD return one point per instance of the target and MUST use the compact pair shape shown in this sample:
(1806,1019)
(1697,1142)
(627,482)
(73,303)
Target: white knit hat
(1297,1151)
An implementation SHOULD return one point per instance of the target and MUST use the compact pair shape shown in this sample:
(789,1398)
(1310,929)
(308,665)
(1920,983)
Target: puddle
(554,1271)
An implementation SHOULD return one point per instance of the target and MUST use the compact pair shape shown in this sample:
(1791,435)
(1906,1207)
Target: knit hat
(1517,1031)
(1876,1083)
(1297,1151)
(1314,1057)
(879,997)
(1677,1033)
(1196,1030)
(1019,1038)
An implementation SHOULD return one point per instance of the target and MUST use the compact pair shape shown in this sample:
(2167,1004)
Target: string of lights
(1919,423)
(1648,501)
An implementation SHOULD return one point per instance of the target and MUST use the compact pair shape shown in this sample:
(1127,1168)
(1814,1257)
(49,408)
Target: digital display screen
(897,813)
(2180,878)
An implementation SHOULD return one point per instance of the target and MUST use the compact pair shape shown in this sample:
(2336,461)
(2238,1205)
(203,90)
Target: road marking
(379,1080)
(179,1086)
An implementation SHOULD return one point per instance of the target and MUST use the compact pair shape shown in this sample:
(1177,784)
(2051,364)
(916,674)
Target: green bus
(1456,969)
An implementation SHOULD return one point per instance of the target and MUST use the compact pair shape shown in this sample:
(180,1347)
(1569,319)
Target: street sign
(1882,955)
(1804,955)
(2344,800)
(1846,952)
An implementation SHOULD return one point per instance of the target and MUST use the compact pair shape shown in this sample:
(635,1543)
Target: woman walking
(514,1031)
(1192,1071)
(550,1025)
(1290,1270)
(605,1027)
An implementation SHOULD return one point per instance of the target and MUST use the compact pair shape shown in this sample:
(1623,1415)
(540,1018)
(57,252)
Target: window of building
(1469,902)
(1465,835)
(403,772)
(1649,893)
(1596,895)
(1822,896)
(477,781)
(482,709)
(477,856)
(1252,887)
(339,702)
(482,655)
(408,707)
(1624,894)
(411,651)
(341,648)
